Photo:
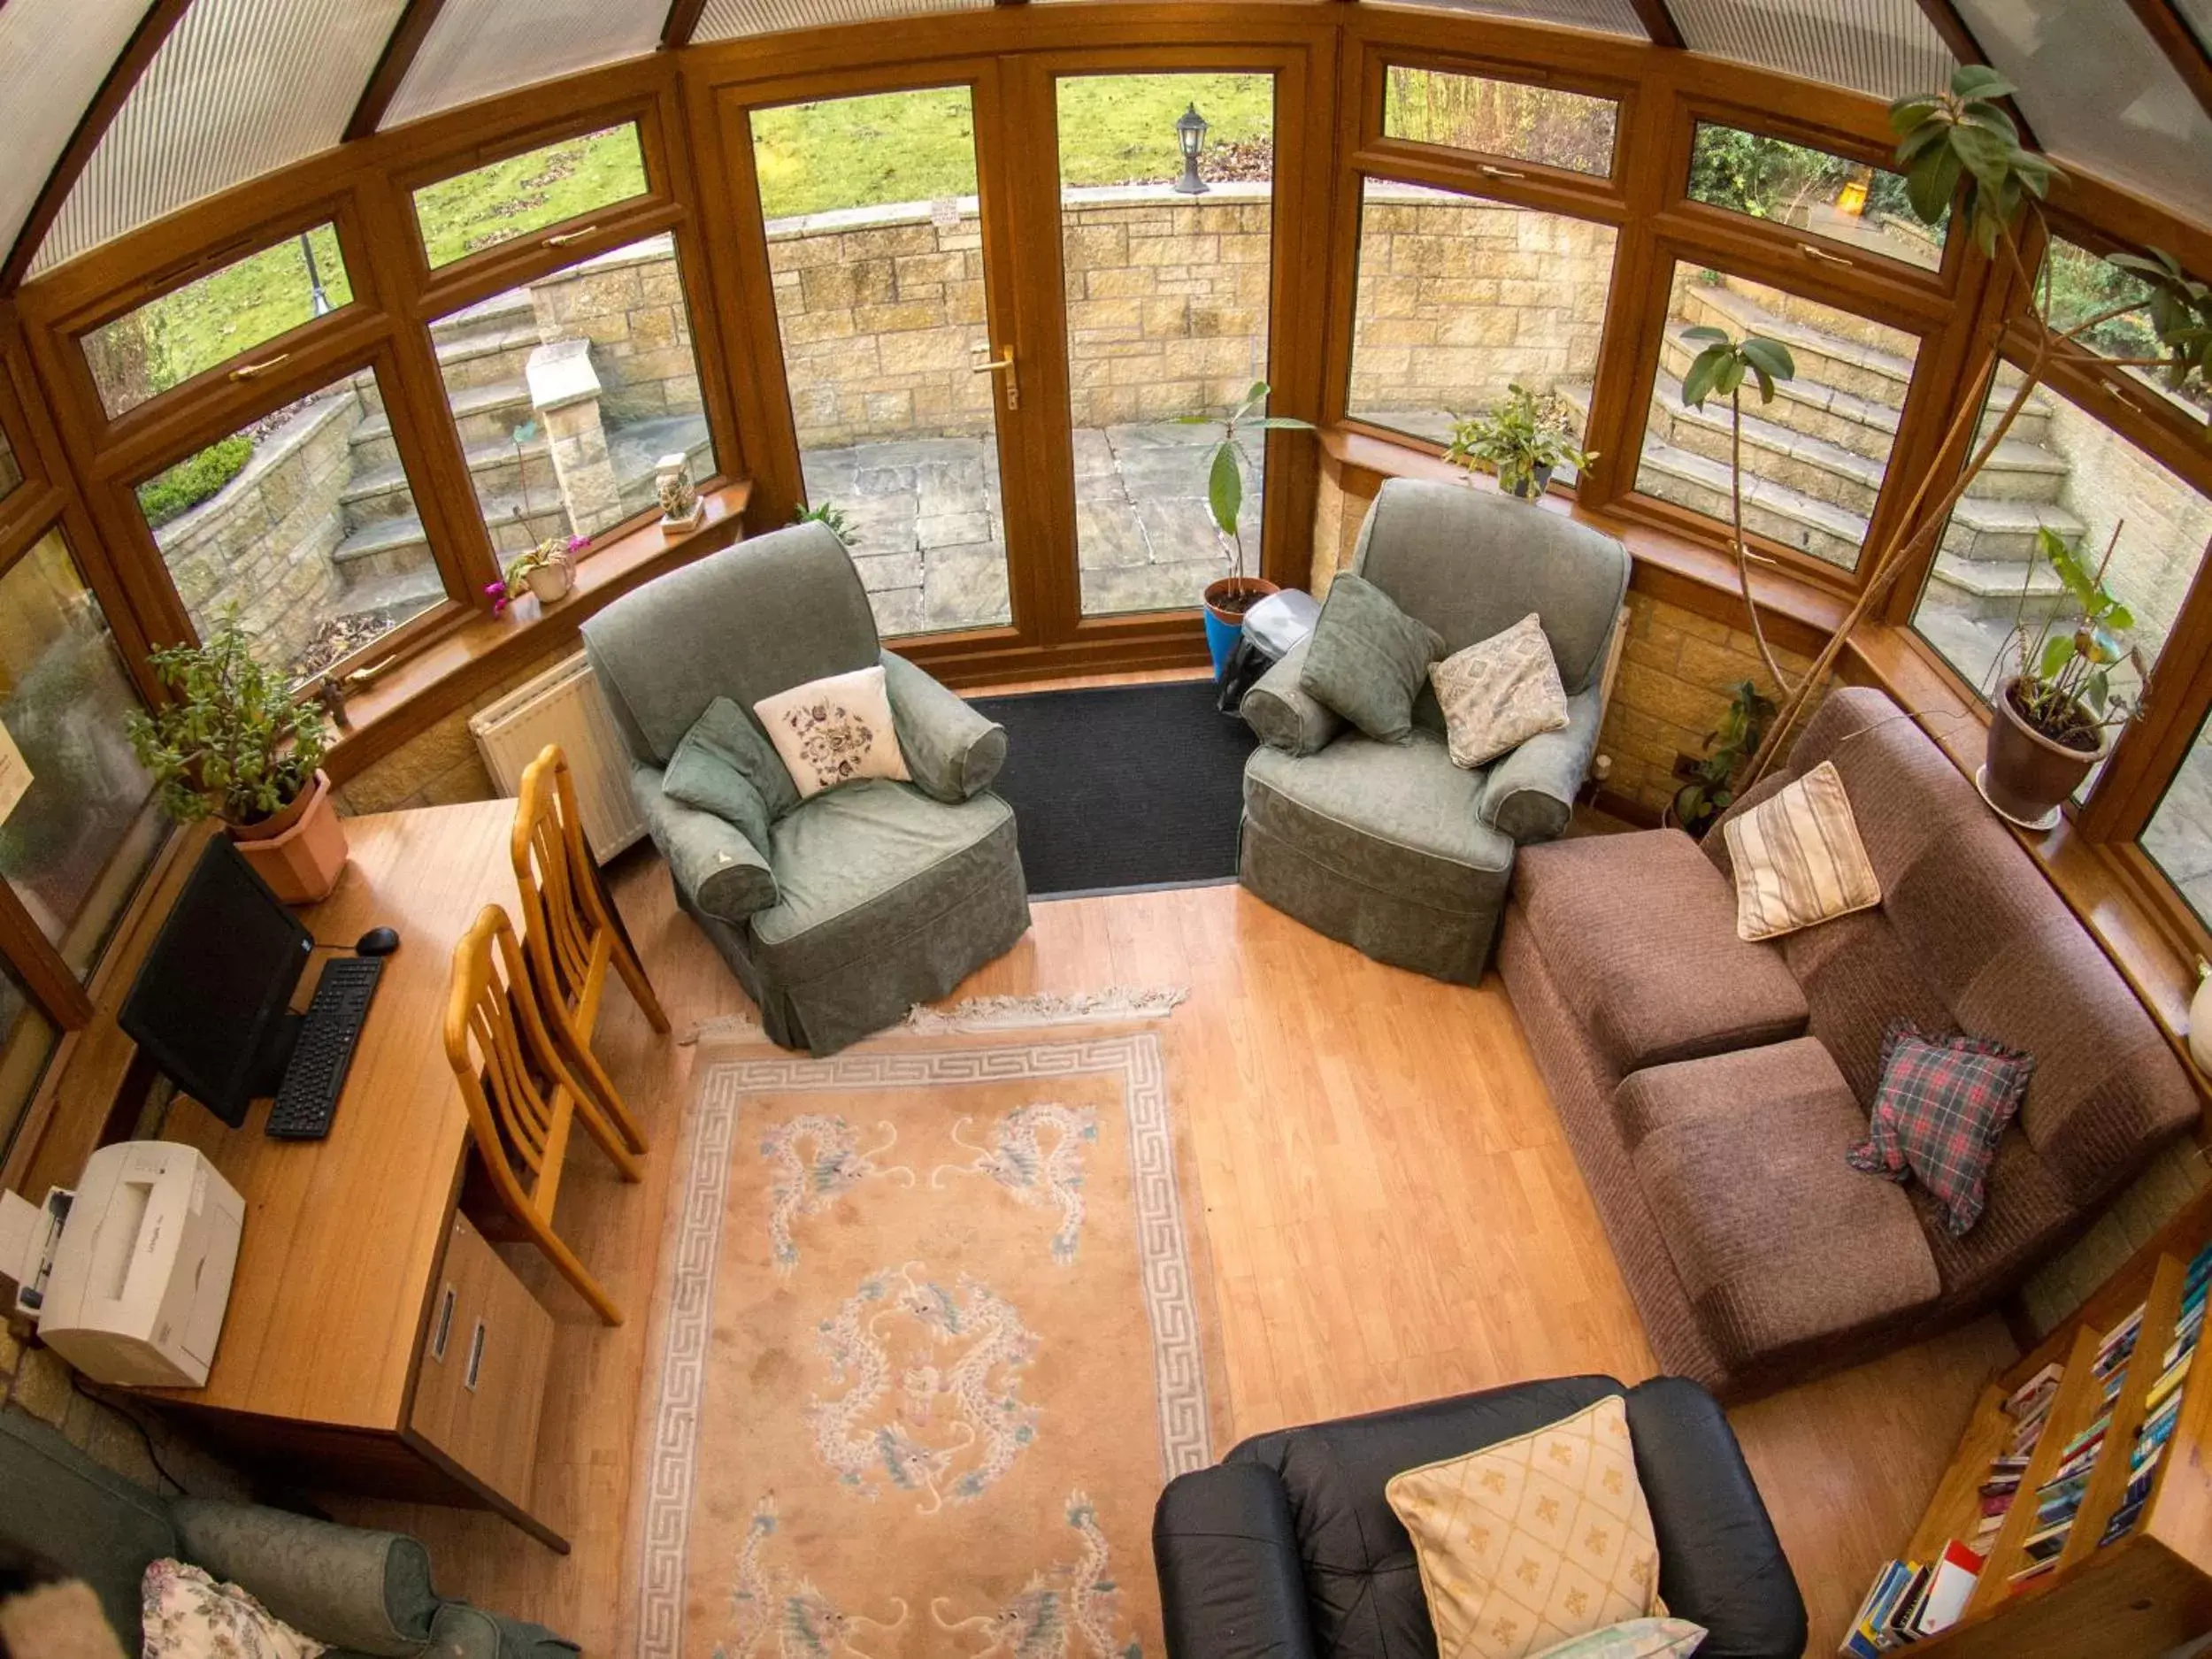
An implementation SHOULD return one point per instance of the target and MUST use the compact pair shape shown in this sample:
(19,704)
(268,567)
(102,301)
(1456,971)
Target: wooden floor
(1392,1213)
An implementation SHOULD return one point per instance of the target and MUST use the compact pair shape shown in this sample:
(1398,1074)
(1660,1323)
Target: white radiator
(565,705)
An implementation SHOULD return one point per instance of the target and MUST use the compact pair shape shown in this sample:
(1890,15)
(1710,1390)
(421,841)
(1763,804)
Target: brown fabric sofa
(1709,1087)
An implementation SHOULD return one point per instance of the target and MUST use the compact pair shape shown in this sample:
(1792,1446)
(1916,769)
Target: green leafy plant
(172,494)
(553,552)
(1720,369)
(2065,689)
(831,516)
(1960,150)
(231,739)
(1225,475)
(1528,434)
(1699,802)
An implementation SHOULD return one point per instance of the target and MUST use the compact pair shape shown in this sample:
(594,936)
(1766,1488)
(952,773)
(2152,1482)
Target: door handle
(1003,364)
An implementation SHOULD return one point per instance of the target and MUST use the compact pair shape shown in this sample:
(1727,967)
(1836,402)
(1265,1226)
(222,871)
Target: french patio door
(997,297)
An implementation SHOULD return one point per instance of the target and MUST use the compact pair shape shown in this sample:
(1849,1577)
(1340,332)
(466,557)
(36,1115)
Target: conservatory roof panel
(54,54)
(1886,48)
(478,49)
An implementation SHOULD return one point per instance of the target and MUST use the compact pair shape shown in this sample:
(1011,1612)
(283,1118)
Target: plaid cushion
(1941,1104)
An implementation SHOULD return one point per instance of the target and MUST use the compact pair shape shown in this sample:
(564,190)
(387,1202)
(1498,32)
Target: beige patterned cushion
(1798,858)
(1528,1544)
(1499,693)
(835,731)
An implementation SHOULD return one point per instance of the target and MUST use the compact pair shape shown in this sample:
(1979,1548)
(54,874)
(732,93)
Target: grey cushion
(1367,659)
(716,867)
(1282,715)
(951,751)
(365,1592)
(463,1632)
(726,739)
(59,1504)
(1395,816)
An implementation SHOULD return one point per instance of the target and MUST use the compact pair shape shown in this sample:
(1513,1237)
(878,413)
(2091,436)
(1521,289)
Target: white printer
(129,1276)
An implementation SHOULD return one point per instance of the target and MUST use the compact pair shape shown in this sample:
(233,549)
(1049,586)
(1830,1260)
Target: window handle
(1489,172)
(568,237)
(254,371)
(1002,364)
(1811,252)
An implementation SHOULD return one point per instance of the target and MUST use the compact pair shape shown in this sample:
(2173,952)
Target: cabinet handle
(444,1331)
(476,1357)
(568,237)
(253,371)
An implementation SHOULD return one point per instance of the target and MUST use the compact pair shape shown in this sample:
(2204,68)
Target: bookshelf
(2107,1593)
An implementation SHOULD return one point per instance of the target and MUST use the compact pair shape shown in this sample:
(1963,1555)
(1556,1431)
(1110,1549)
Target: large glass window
(2178,838)
(28,1039)
(1810,190)
(216,318)
(504,200)
(1167,306)
(302,523)
(2080,286)
(567,389)
(1501,118)
(1815,457)
(76,844)
(2061,468)
(1460,298)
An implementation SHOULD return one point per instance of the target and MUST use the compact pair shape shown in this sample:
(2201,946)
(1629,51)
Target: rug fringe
(1000,1013)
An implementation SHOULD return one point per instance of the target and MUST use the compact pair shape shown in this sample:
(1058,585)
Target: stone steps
(486,415)
(382,492)
(390,546)
(1862,371)
(1864,425)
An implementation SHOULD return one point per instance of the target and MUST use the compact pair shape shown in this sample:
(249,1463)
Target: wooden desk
(324,1372)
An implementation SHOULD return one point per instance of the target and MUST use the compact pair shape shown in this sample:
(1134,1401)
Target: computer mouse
(378,942)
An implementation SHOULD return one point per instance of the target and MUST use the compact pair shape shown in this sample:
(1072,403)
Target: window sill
(2110,890)
(447,672)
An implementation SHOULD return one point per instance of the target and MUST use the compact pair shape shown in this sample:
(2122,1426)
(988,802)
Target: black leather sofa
(1288,1549)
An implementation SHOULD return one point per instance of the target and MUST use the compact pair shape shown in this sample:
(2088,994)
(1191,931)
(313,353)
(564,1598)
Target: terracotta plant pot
(2025,775)
(550,582)
(1227,600)
(300,851)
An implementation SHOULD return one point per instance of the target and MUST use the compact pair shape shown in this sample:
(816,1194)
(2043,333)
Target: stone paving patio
(929,535)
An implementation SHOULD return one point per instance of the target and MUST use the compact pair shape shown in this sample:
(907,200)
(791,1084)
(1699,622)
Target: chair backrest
(744,624)
(564,909)
(1472,563)
(515,1085)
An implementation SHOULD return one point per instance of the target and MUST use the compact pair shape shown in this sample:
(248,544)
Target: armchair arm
(1284,716)
(715,868)
(1529,795)
(1231,1585)
(952,752)
(365,1592)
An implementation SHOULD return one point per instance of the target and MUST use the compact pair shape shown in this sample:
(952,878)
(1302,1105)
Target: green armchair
(361,1592)
(1389,847)
(869,898)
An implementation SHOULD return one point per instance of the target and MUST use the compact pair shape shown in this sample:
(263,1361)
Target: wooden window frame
(1374,142)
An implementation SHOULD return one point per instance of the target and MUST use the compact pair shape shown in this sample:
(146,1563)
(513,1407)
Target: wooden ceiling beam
(408,34)
(1659,23)
(130,66)
(2183,51)
(683,23)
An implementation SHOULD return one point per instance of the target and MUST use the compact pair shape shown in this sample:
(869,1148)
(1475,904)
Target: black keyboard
(308,1097)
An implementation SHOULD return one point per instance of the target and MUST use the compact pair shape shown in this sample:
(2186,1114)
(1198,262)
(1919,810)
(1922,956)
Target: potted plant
(1229,597)
(1523,440)
(549,570)
(831,516)
(1706,794)
(234,741)
(2056,714)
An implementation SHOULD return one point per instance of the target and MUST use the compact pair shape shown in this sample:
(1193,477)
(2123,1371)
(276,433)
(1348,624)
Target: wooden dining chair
(571,931)
(521,1096)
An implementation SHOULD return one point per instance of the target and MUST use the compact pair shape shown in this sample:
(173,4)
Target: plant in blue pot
(1230,596)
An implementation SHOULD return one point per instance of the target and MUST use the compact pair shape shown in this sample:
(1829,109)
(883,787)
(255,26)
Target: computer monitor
(210,1006)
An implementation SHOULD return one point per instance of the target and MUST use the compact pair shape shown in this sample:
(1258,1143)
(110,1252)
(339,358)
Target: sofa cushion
(1662,978)
(1798,858)
(1784,1077)
(1500,692)
(1937,1114)
(861,867)
(1399,818)
(1778,1242)
(1367,659)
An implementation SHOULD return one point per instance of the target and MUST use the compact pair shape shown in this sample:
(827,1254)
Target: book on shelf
(1911,1600)
(2038,1389)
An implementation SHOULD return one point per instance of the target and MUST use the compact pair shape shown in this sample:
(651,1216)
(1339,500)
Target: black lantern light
(1190,132)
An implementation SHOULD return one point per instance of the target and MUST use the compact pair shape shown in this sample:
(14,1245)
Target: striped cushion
(1798,858)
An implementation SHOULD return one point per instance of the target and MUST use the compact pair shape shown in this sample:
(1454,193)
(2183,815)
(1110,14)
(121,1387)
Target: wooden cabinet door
(480,1389)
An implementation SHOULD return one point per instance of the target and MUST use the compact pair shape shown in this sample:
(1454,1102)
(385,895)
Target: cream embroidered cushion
(1634,1639)
(1798,858)
(188,1615)
(1499,693)
(1528,1544)
(835,731)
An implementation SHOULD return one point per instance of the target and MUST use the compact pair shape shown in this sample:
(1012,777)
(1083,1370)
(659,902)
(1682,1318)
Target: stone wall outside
(630,305)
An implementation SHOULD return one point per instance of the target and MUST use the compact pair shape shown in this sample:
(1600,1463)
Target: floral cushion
(189,1614)
(1532,1542)
(1939,1110)
(835,731)
(1499,693)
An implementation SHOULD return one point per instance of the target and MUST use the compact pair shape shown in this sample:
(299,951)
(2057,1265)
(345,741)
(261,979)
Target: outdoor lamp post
(1190,132)
(320,300)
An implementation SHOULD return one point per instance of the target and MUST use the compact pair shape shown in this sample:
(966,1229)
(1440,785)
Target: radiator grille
(564,705)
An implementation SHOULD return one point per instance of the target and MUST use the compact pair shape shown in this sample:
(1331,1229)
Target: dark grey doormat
(1122,785)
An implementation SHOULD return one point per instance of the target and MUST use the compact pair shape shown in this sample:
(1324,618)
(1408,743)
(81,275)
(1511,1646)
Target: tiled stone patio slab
(930,534)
